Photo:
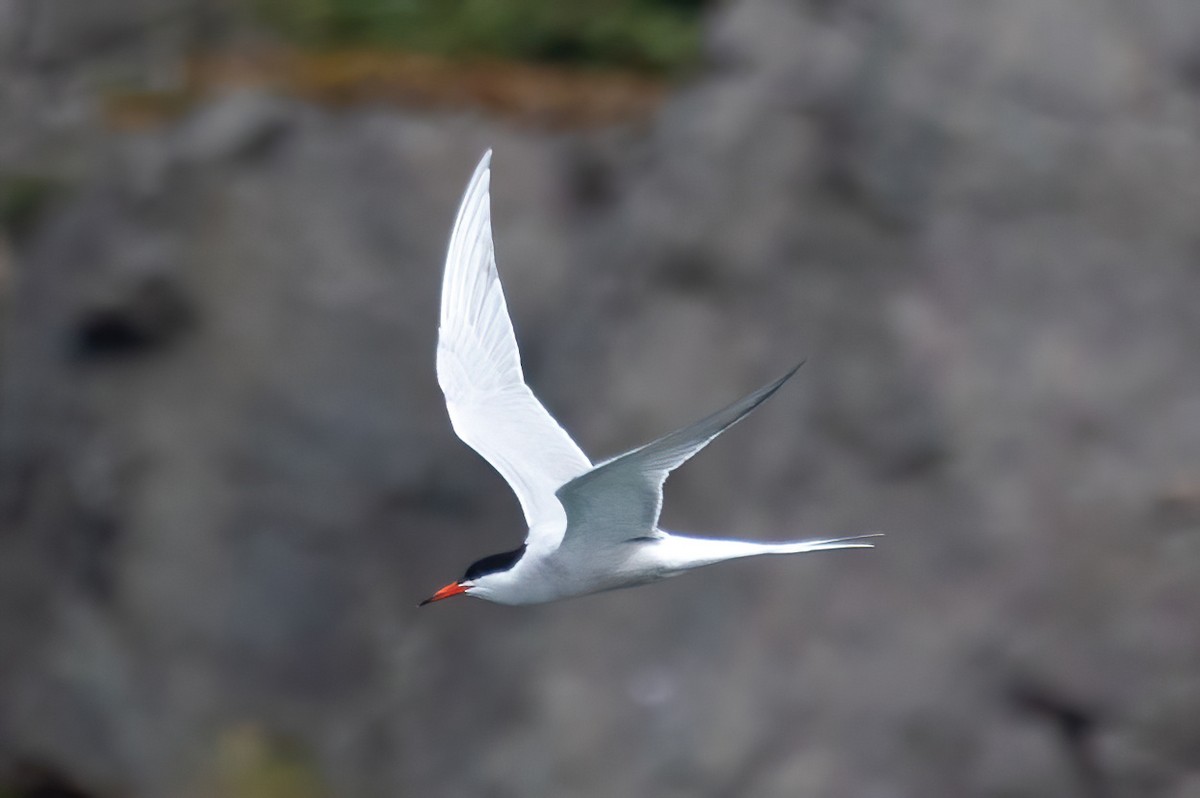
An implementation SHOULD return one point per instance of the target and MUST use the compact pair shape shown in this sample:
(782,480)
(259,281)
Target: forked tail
(818,544)
(681,553)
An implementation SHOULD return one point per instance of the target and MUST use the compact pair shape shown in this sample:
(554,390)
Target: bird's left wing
(622,497)
(479,369)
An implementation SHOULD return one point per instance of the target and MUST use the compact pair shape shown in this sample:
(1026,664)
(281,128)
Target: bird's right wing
(479,369)
(621,498)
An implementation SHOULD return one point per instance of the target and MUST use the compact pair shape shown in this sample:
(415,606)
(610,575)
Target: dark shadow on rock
(1075,726)
(152,314)
(32,779)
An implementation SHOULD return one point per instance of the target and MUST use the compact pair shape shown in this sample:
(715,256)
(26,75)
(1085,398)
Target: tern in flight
(592,527)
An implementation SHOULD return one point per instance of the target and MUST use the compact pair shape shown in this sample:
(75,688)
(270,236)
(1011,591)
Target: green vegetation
(251,763)
(23,198)
(659,36)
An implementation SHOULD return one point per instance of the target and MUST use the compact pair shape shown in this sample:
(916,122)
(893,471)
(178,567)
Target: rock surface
(226,475)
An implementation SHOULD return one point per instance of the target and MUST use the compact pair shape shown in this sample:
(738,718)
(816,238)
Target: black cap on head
(493,564)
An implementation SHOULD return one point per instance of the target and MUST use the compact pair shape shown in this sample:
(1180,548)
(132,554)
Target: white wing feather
(621,498)
(479,369)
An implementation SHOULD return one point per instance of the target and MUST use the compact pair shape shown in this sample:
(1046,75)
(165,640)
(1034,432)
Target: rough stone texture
(227,475)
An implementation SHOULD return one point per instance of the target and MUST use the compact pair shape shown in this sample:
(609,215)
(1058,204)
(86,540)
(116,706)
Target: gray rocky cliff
(226,475)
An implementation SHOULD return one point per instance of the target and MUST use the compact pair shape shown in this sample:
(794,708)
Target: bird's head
(479,576)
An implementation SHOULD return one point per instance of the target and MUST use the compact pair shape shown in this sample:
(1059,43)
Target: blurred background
(227,476)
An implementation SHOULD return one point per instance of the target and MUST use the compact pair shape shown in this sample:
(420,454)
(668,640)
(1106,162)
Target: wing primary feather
(479,369)
(674,449)
(622,497)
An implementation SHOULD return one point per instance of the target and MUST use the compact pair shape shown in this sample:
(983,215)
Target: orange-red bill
(452,589)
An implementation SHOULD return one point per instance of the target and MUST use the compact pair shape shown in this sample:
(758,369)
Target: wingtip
(787,375)
(482,169)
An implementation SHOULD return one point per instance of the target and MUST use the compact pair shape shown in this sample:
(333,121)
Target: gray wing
(479,369)
(622,498)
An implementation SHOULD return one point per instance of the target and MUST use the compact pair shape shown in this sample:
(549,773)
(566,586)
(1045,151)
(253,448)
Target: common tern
(591,527)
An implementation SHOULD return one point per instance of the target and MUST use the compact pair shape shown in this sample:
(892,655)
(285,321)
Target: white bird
(591,527)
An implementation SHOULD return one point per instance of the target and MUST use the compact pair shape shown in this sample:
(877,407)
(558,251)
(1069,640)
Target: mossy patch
(654,36)
(23,200)
(252,763)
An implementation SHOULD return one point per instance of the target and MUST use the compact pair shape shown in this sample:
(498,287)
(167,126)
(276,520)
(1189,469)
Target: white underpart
(590,528)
